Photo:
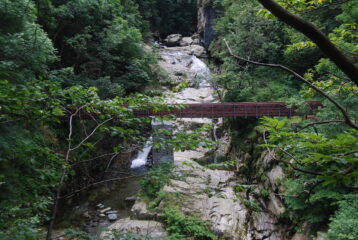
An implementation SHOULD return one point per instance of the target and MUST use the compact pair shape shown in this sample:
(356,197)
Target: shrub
(157,178)
(180,226)
(344,224)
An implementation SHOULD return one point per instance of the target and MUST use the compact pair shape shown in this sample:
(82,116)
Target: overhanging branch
(345,114)
(314,34)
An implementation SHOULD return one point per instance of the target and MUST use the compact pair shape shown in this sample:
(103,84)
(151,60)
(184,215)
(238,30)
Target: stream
(182,65)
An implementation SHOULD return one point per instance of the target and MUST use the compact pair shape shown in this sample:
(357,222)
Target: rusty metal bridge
(242,109)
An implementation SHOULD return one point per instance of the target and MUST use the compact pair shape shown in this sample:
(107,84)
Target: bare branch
(347,153)
(91,134)
(62,179)
(348,121)
(95,158)
(110,161)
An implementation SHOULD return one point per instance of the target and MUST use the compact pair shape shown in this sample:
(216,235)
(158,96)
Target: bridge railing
(243,109)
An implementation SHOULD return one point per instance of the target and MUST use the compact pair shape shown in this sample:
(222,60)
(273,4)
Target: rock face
(147,229)
(210,193)
(206,20)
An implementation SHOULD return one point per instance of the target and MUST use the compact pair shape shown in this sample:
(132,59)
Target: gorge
(178,120)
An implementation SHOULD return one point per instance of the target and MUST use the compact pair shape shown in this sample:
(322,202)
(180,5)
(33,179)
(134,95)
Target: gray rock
(131,199)
(276,206)
(275,176)
(112,217)
(140,211)
(186,41)
(111,212)
(173,40)
(147,229)
(100,206)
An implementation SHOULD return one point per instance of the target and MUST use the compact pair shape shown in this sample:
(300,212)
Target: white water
(142,156)
(196,72)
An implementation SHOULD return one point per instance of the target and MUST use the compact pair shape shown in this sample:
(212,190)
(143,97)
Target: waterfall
(202,72)
(142,156)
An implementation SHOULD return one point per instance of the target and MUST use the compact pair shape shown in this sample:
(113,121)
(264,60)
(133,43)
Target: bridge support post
(165,154)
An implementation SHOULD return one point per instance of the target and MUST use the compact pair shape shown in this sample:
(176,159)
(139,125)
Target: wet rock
(112,217)
(173,40)
(148,229)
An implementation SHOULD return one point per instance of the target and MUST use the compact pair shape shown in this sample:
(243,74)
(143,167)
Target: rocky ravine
(210,193)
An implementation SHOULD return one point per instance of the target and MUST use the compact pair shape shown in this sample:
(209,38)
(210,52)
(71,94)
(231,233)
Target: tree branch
(62,179)
(91,134)
(348,121)
(347,153)
(321,122)
(318,37)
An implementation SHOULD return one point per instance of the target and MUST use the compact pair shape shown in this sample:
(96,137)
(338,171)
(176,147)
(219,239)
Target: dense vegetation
(62,58)
(63,61)
(320,159)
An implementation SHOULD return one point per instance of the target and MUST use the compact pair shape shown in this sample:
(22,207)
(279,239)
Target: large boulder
(186,41)
(173,40)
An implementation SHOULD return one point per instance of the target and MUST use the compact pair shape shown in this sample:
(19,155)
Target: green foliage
(170,16)
(256,38)
(180,226)
(102,42)
(78,234)
(226,165)
(343,225)
(321,169)
(25,48)
(250,204)
(157,178)
(183,140)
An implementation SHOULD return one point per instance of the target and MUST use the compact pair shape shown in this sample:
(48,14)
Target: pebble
(105,210)
(102,215)
(112,217)
(111,212)
(100,206)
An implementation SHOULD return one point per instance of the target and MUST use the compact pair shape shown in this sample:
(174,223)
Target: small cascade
(142,156)
(202,72)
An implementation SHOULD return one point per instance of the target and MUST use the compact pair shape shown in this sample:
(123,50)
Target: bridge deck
(242,109)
